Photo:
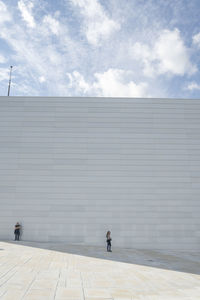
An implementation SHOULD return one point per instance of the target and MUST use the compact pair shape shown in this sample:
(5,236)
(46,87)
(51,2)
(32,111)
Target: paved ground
(33,271)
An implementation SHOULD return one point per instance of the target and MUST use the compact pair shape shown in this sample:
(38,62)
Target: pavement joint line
(54,296)
(10,276)
(4,274)
(83,292)
(18,268)
(2,295)
(28,288)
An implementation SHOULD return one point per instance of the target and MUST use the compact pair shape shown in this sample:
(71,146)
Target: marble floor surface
(34,271)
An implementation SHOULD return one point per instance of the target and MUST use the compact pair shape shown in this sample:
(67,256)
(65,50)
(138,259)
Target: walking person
(108,240)
(17,231)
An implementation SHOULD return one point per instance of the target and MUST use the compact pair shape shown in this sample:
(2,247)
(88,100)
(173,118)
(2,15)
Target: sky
(101,48)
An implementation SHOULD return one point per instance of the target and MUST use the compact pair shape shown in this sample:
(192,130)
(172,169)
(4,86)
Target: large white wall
(72,168)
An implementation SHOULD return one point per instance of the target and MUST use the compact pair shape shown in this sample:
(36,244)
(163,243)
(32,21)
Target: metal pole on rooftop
(9,83)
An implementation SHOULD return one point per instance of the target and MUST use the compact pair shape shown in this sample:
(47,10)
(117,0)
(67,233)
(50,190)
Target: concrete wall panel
(73,168)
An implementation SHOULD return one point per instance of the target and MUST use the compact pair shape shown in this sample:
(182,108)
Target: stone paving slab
(35,271)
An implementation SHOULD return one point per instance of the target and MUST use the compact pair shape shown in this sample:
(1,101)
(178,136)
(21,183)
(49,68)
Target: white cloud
(25,8)
(39,58)
(42,79)
(193,86)
(173,54)
(97,24)
(52,23)
(168,55)
(4,14)
(196,39)
(43,56)
(2,59)
(112,83)
(4,72)
(78,81)
(144,54)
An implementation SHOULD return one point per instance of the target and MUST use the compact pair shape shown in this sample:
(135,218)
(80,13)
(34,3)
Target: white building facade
(73,168)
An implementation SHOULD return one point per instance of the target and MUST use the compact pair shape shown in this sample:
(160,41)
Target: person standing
(108,240)
(17,231)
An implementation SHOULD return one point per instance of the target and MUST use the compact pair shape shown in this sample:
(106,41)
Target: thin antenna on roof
(9,83)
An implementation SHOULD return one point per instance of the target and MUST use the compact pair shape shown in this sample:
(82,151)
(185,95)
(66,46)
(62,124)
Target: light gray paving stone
(59,271)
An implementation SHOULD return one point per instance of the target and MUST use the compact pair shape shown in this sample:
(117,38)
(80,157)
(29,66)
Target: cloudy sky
(129,48)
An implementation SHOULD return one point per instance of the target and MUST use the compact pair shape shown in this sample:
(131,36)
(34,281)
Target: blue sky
(129,48)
